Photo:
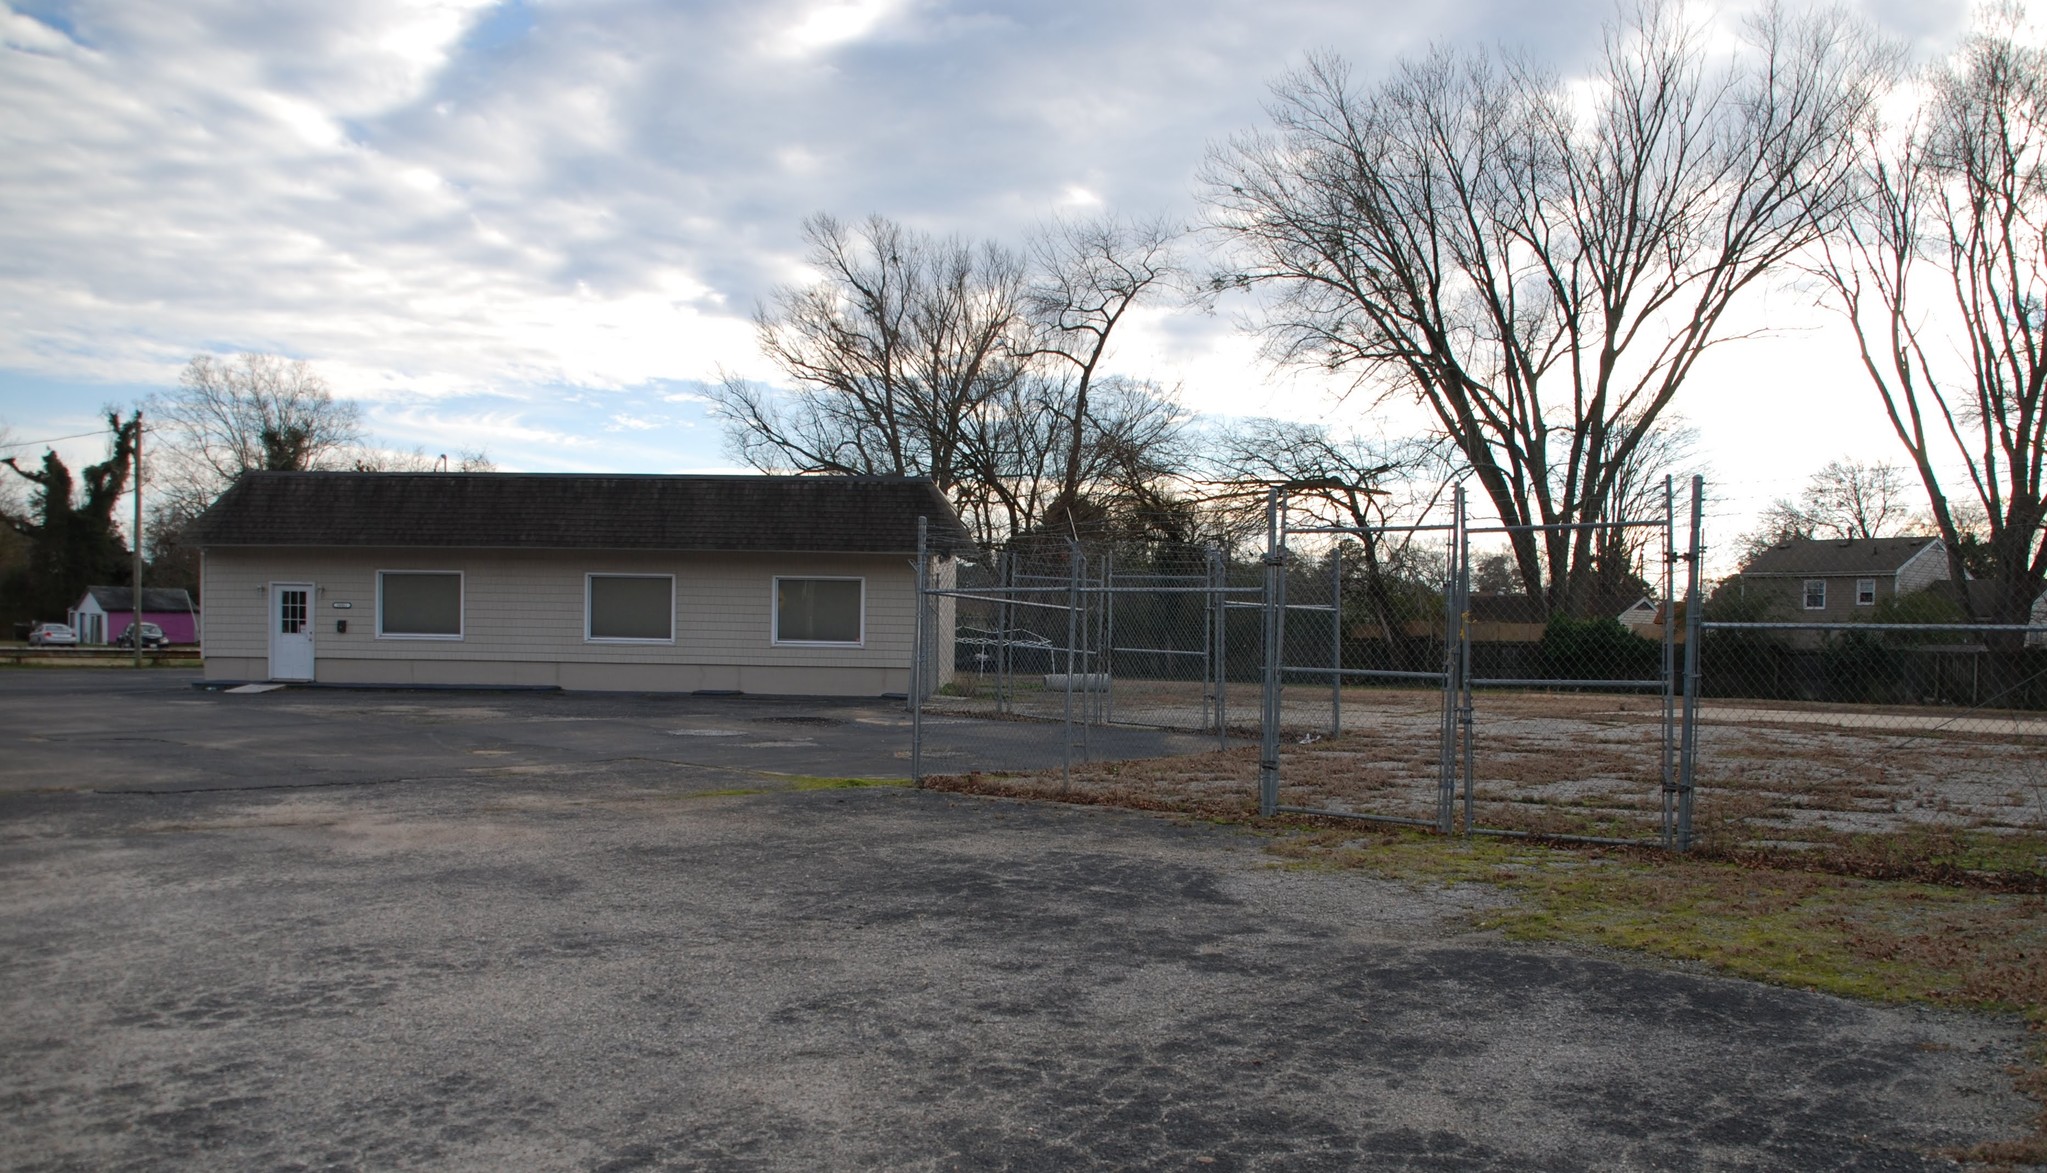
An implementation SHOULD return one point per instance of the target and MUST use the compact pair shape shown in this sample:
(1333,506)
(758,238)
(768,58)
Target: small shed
(105,612)
(790,585)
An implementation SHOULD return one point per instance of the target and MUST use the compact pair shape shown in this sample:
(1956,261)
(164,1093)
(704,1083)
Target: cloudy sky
(536,227)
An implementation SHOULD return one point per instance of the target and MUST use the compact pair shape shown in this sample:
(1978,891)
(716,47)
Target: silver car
(50,635)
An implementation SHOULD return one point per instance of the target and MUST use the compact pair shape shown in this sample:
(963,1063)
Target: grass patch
(795,782)
(1888,940)
(810,782)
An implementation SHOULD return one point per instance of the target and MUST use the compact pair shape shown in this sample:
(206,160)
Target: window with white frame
(820,610)
(629,608)
(1865,592)
(1815,594)
(419,604)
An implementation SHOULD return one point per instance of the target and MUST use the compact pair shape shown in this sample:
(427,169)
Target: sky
(538,229)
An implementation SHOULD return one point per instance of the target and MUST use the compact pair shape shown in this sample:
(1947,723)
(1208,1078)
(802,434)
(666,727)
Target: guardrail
(21,655)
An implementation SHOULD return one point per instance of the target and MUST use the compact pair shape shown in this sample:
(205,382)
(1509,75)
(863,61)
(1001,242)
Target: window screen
(411,603)
(817,610)
(632,606)
(1815,594)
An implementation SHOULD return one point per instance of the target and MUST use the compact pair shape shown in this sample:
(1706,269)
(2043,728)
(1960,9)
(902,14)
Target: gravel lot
(462,930)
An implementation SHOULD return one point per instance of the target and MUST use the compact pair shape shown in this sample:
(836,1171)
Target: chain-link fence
(1465,703)
(1809,732)
(1096,645)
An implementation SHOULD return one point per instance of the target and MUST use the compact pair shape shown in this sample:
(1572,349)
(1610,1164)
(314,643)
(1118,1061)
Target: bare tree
(1942,273)
(415,459)
(1542,280)
(892,354)
(1847,499)
(967,364)
(253,411)
(1087,275)
(1350,481)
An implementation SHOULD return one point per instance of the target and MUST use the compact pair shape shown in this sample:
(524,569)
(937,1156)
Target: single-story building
(1826,580)
(105,613)
(758,584)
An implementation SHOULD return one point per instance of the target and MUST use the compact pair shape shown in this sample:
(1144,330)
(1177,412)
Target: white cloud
(470,214)
(821,27)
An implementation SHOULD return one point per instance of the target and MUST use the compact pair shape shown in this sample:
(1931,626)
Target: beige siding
(523,621)
(1923,569)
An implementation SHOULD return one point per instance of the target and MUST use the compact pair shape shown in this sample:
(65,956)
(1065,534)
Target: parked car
(49,635)
(152,637)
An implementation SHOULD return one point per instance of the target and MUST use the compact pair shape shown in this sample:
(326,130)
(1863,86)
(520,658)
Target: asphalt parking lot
(310,930)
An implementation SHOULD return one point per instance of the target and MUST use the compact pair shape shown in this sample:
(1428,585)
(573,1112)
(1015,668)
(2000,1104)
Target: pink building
(105,612)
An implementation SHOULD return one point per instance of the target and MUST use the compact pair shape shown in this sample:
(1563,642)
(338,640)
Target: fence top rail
(1658,523)
(1089,589)
(1003,599)
(1376,529)
(1654,523)
(1840,626)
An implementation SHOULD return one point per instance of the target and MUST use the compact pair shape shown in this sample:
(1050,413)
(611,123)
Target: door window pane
(632,607)
(818,610)
(418,603)
(291,612)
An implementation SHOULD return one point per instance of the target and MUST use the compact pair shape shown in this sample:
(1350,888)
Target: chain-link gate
(1529,714)
(1093,641)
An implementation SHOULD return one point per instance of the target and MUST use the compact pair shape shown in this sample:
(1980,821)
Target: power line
(54,439)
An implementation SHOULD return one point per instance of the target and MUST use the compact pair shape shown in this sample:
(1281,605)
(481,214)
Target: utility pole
(135,628)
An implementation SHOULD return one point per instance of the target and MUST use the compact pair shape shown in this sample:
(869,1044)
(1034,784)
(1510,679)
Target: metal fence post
(1465,724)
(1108,712)
(1219,600)
(1453,627)
(1072,639)
(1694,606)
(1669,608)
(1336,638)
(1275,616)
(918,651)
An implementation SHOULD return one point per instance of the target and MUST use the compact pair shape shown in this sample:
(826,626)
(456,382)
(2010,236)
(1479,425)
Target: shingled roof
(116,599)
(576,511)
(1820,557)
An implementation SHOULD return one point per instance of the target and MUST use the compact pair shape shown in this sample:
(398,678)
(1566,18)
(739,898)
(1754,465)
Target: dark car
(152,637)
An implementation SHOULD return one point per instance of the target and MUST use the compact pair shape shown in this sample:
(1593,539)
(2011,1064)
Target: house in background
(1644,617)
(1824,580)
(105,612)
(1982,596)
(757,584)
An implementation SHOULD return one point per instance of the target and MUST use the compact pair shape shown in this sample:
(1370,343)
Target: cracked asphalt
(336,930)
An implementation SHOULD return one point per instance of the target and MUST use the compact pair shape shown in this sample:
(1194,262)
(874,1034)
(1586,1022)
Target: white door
(291,631)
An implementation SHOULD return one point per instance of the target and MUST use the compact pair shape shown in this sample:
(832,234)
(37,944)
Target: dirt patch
(1592,762)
